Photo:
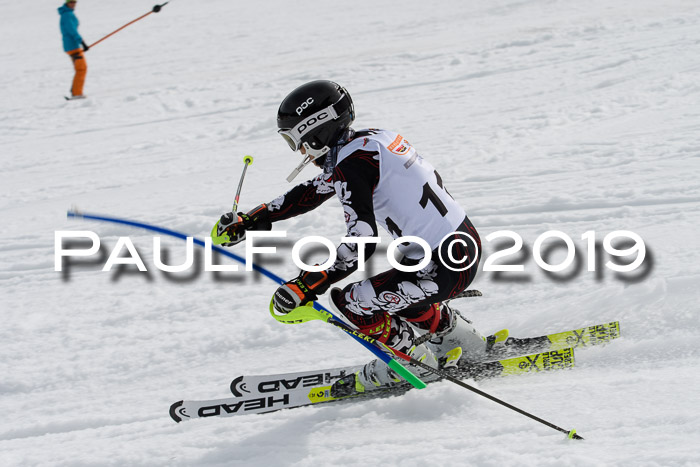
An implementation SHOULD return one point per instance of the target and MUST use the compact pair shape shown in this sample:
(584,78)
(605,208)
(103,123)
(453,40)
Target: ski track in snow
(540,115)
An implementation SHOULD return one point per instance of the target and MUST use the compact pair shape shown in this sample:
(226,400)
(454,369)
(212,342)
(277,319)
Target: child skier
(380,179)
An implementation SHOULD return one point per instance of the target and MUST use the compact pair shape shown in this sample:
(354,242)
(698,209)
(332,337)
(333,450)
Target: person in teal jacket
(71,45)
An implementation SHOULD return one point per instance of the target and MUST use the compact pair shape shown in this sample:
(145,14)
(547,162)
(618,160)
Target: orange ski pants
(80,66)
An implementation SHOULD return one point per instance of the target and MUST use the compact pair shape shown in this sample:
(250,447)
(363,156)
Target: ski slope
(540,115)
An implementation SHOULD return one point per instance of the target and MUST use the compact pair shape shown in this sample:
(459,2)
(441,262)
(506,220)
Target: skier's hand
(300,291)
(231,227)
(228,230)
(85,47)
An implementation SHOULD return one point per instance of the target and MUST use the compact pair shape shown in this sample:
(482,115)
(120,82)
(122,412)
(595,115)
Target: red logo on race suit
(399,146)
(403,149)
(390,297)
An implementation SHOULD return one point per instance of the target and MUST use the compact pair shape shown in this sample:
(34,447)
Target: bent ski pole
(307,312)
(155,9)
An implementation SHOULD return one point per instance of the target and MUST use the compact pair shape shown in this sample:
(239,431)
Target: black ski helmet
(314,116)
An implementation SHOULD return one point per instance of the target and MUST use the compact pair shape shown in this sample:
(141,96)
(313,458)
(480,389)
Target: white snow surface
(540,115)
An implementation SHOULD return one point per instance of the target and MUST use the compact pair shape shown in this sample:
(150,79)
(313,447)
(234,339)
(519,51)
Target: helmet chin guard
(311,155)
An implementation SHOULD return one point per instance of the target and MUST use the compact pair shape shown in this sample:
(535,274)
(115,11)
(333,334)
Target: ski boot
(457,332)
(376,375)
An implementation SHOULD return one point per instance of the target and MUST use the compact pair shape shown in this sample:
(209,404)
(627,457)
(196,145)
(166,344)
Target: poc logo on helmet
(304,105)
(311,122)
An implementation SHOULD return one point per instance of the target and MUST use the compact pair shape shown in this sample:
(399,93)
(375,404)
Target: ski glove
(85,46)
(231,228)
(299,291)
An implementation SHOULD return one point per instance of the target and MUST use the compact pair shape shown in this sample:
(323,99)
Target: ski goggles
(294,136)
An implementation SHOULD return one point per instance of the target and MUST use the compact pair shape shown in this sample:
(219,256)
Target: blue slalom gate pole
(382,354)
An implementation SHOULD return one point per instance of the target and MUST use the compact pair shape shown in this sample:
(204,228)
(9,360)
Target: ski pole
(571,434)
(306,313)
(247,160)
(218,240)
(155,9)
